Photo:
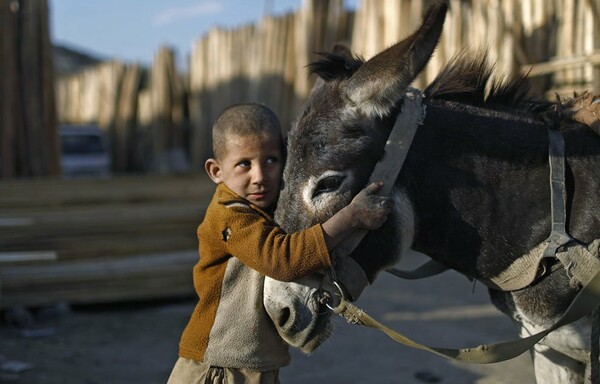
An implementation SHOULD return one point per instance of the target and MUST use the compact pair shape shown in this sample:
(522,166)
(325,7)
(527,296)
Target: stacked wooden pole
(266,63)
(28,139)
(126,133)
(146,126)
(168,115)
(123,238)
(262,63)
(479,25)
(516,35)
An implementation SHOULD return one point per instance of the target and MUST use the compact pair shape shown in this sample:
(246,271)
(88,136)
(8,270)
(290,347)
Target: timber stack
(94,240)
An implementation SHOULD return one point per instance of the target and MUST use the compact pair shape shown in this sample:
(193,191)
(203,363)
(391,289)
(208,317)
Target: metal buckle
(340,293)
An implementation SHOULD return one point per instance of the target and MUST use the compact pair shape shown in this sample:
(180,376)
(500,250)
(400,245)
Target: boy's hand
(366,211)
(370,211)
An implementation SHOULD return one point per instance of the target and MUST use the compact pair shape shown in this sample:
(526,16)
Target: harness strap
(395,151)
(534,265)
(530,267)
(556,156)
(428,269)
(585,301)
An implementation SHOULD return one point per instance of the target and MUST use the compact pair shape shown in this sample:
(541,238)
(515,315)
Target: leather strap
(556,156)
(585,301)
(396,149)
(428,269)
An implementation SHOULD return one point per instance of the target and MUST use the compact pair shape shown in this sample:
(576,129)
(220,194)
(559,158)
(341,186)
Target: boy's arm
(266,248)
(366,211)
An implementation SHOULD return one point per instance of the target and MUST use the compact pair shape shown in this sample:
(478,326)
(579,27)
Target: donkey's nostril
(284,316)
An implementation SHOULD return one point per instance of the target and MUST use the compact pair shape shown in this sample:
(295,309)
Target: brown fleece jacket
(239,243)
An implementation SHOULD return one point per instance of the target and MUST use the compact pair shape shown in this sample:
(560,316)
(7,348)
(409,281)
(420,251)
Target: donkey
(473,194)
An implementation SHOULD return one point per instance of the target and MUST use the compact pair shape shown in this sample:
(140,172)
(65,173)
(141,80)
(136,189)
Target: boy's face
(251,167)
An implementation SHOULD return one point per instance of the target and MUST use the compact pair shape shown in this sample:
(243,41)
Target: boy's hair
(246,119)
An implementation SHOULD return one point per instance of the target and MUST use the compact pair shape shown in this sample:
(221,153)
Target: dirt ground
(134,343)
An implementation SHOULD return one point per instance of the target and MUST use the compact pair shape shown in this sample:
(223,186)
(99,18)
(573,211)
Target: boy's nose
(259,175)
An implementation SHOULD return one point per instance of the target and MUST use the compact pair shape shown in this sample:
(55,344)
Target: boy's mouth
(258,195)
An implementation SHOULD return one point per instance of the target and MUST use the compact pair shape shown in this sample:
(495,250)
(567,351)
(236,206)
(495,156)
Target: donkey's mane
(467,78)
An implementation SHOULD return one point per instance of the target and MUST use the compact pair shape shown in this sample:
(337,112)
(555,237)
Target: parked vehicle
(85,151)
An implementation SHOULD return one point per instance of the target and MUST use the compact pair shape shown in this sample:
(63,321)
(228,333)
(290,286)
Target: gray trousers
(188,371)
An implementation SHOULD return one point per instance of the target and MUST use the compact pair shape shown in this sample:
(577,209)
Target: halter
(387,169)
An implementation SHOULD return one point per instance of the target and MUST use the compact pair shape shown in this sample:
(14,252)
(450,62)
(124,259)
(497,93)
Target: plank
(20,257)
(95,281)
(560,64)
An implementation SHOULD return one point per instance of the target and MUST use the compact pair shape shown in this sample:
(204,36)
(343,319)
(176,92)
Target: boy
(230,338)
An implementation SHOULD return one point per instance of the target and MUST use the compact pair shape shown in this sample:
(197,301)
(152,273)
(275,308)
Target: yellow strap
(585,302)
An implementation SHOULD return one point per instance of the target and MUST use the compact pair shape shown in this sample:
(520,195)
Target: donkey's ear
(340,63)
(379,83)
(342,49)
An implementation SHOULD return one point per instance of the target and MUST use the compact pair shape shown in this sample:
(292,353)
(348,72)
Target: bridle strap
(395,151)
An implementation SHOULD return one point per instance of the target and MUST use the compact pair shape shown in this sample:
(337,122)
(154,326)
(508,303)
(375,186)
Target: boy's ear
(213,169)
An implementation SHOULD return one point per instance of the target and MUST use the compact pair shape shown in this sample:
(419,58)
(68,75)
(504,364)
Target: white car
(85,151)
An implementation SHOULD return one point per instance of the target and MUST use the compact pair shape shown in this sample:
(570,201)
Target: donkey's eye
(328,184)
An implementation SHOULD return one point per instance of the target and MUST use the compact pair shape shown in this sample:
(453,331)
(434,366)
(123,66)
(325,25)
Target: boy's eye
(244,163)
(272,160)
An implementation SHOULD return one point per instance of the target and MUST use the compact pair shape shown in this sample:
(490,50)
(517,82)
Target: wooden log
(114,245)
(200,145)
(560,64)
(289,73)
(115,239)
(10,119)
(50,154)
(31,87)
(22,195)
(106,219)
(304,36)
(27,128)
(595,8)
(58,273)
(95,281)
(8,258)
(125,134)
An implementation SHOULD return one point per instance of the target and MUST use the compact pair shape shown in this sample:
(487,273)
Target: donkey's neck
(478,181)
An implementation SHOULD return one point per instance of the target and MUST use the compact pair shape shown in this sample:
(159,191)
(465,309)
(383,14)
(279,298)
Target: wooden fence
(158,116)
(28,138)
(155,117)
(519,35)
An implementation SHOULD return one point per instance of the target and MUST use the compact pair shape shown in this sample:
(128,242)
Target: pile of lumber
(99,240)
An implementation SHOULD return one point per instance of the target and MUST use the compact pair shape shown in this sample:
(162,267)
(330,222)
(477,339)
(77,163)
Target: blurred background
(106,109)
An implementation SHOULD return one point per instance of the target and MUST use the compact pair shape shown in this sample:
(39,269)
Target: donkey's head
(332,149)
